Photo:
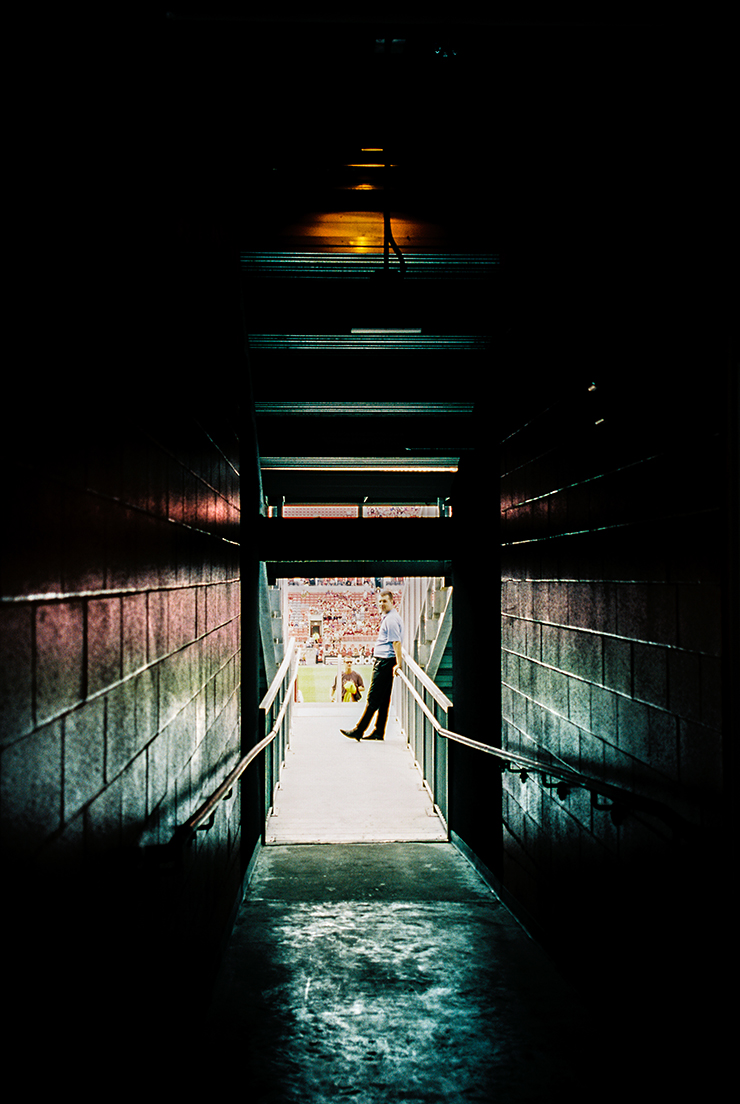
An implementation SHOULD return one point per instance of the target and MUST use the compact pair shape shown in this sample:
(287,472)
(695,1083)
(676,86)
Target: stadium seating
(351,618)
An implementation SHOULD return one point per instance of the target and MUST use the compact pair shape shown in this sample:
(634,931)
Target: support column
(474,778)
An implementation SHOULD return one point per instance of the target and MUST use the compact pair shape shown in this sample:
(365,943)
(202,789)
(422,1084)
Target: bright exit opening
(333,788)
(333,621)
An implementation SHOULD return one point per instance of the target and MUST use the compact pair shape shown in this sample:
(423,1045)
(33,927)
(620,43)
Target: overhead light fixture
(371,341)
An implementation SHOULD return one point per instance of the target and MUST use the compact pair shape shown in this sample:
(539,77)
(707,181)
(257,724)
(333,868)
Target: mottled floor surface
(377,973)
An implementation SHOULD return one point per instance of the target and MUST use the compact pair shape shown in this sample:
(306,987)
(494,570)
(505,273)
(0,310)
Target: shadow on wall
(614,521)
(120,658)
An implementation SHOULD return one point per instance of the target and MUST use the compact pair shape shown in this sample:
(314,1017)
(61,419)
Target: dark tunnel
(487,251)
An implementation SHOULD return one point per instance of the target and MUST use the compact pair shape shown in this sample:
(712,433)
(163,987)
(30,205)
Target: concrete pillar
(475,780)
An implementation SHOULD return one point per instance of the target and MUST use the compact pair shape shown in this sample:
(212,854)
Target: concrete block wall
(120,636)
(612,516)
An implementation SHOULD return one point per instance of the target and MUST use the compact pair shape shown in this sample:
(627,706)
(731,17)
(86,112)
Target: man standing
(386,664)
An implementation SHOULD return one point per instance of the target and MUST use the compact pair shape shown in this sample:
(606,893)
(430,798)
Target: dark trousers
(378,696)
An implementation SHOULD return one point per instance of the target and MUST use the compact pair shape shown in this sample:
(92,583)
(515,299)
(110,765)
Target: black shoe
(372,736)
(352,735)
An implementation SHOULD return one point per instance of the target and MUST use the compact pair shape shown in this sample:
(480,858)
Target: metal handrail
(439,696)
(568,779)
(523,765)
(269,697)
(202,818)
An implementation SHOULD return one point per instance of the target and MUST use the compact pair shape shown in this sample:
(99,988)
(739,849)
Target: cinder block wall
(120,636)
(613,523)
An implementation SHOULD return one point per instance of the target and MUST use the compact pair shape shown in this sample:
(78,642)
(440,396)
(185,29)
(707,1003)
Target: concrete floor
(334,790)
(374,969)
(377,973)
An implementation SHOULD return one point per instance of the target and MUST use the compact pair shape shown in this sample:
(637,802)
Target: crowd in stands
(340,583)
(350,620)
(371,583)
(397,511)
(349,511)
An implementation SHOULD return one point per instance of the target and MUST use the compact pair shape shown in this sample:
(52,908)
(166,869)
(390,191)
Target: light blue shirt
(391,628)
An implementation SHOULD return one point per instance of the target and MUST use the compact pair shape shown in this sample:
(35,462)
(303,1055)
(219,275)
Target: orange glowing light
(362,231)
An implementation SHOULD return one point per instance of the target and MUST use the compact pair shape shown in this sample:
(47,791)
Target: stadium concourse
(339,616)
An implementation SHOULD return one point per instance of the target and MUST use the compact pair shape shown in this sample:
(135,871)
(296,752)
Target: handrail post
(451,811)
(262,772)
(423,704)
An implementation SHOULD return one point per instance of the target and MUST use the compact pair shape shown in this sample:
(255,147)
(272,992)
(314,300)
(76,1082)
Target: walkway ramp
(335,790)
(382,973)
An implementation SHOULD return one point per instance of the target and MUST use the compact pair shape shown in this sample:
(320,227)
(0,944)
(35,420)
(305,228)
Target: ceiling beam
(363,409)
(339,569)
(288,540)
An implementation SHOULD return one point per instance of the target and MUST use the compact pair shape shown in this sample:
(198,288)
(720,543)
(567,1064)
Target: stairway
(432,646)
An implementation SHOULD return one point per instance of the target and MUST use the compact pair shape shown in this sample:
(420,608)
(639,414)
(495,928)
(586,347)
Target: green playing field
(315,683)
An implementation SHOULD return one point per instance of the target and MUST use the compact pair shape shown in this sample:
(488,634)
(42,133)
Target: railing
(275,715)
(274,710)
(420,720)
(422,710)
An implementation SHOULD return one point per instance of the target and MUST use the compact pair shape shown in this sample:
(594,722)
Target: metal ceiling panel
(334,265)
(363,409)
(330,464)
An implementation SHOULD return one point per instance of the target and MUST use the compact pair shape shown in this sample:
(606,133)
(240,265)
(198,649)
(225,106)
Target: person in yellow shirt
(352,684)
